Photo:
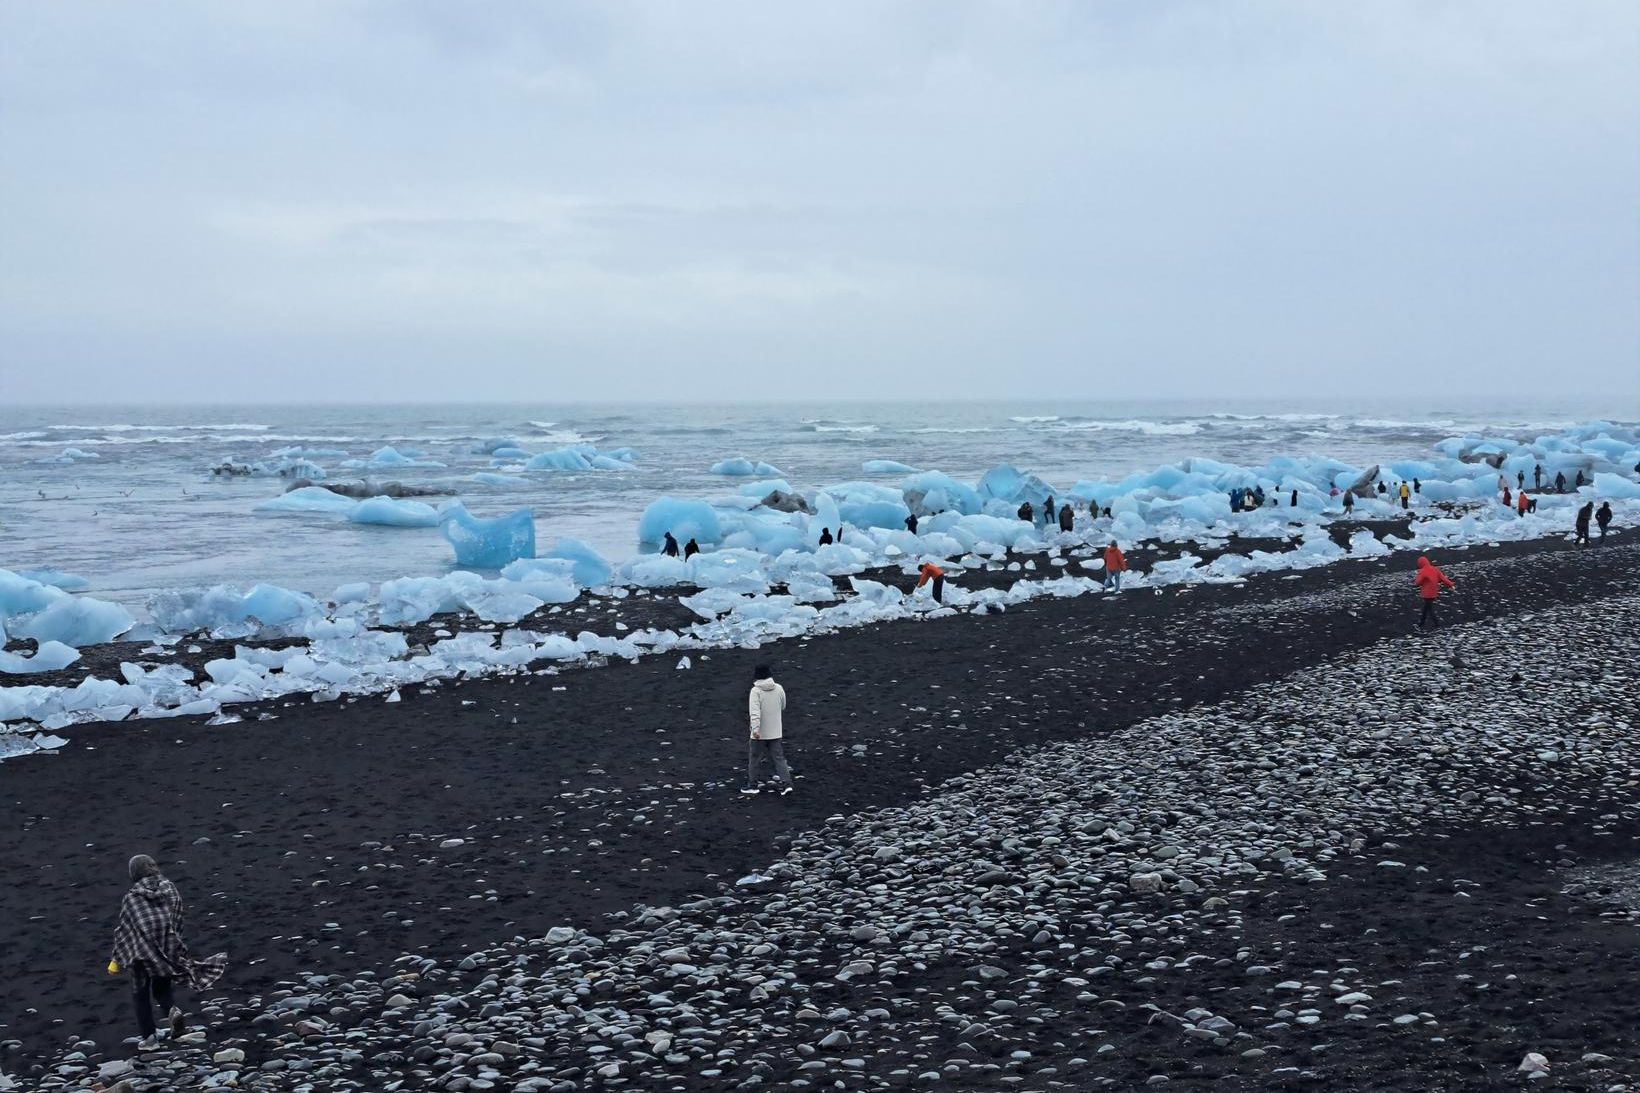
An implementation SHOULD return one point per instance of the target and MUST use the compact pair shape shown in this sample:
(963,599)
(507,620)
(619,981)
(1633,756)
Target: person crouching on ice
(1429,581)
(932,572)
(1115,566)
(148,943)
(765,707)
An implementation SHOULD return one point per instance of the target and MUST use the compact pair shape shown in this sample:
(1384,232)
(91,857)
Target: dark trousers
(146,989)
(776,751)
(1429,613)
(939,589)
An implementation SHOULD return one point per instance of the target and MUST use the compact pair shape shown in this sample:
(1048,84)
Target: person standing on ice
(1349,502)
(1115,566)
(1294,502)
(669,546)
(148,943)
(931,572)
(1537,477)
(1581,481)
(1067,518)
(911,523)
(1047,512)
(1521,503)
(1406,496)
(1429,581)
(1025,512)
(690,549)
(1520,480)
(1508,498)
(1582,525)
(1603,517)
(825,537)
(765,708)
(1560,481)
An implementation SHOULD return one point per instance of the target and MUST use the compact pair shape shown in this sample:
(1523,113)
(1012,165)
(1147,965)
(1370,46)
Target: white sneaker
(750,791)
(148,1043)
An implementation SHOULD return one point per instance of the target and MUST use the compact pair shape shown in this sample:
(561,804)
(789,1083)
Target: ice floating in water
(740,467)
(394,512)
(886,466)
(590,568)
(489,543)
(389,456)
(309,499)
(581,457)
(68,582)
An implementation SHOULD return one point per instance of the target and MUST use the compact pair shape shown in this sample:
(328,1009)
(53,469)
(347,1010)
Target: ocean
(143,512)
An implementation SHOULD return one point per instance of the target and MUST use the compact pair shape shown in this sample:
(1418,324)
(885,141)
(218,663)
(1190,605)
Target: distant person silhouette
(690,549)
(670,546)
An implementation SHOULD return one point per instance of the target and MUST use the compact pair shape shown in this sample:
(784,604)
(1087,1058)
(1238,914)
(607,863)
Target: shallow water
(146,513)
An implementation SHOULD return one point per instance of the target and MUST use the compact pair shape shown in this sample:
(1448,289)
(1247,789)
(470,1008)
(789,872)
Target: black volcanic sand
(310,842)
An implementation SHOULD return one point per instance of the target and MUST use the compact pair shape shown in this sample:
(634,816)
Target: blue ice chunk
(21,595)
(189,609)
(763,487)
(939,492)
(625,455)
(559,459)
(489,479)
(1011,486)
(886,466)
(1614,486)
(509,453)
(73,620)
(389,456)
(550,580)
(308,499)
(684,519)
(76,454)
(489,543)
(873,514)
(49,657)
(591,569)
(741,467)
(394,512)
(491,445)
(605,462)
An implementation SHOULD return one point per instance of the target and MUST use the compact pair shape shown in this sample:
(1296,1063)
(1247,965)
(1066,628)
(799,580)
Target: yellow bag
(113,967)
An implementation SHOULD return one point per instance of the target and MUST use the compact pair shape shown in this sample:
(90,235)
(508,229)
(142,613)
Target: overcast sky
(343,201)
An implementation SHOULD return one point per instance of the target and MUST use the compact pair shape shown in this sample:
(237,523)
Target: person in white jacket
(765,706)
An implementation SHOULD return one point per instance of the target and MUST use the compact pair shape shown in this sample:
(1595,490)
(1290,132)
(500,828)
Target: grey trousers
(775,750)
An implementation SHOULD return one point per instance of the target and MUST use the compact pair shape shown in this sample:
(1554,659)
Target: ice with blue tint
(735,570)
(550,580)
(389,456)
(1011,486)
(73,620)
(488,543)
(51,656)
(394,512)
(654,571)
(491,445)
(1613,486)
(75,454)
(761,488)
(939,492)
(486,478)
(589,568)
(603,462)
(502,455)
(886,466)
(741,467)
(185,610)
(309,499)
(559,459)
(684,519)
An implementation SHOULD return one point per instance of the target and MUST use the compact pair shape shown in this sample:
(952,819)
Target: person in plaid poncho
(148,941)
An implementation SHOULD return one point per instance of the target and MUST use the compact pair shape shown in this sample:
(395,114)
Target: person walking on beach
(1603,517)
(931,572)
(1406,495)
(1582,526)
(1025,512)
(911,523)
(148,943)
(690,549)
(766,707)
(1067,518)
(670,546)
(1429,581)
(1115,566)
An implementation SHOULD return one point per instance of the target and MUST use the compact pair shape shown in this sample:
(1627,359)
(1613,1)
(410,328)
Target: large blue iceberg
(489,543)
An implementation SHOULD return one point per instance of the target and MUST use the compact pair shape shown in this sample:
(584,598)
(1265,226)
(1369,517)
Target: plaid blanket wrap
(150,932)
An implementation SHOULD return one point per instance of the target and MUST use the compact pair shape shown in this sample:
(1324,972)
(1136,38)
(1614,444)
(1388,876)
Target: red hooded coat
(1430,579)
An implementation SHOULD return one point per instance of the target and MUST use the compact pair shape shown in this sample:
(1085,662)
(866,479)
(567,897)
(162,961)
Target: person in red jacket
(932,572)
(1115,566)
(1429,580)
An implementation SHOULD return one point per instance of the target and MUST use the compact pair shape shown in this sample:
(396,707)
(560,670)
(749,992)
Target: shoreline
(618,789)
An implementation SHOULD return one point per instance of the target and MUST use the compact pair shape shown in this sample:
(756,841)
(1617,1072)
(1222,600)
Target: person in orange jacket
(932,572)
(1521,503)
(1115,566)
(1429,581)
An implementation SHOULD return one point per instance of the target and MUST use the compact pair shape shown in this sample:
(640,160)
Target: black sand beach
(315,842)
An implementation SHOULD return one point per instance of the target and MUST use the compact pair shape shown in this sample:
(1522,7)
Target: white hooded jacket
(767,701)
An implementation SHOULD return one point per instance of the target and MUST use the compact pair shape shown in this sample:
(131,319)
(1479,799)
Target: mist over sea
(143,512)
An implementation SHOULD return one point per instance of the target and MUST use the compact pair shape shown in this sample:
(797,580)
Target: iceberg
(740,467)
(684,519)
(1614,486)
(74,620)
(49,657)
(68,582)
(590,569)
(183,611)
(392,512)
(935,491)
(550,580)
(886,466)
(488,543)
(309,499)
